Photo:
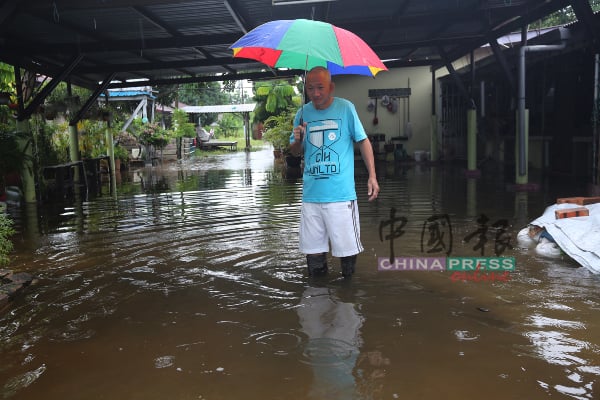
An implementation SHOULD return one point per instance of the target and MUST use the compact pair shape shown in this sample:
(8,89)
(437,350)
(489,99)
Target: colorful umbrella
(305,44)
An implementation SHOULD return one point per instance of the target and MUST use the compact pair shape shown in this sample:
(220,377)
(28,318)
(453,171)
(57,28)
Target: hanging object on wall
(408,127)
(371,105)
(375,120)
(385,100)
(393,105)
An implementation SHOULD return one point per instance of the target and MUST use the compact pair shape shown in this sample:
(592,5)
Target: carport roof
(218,109)
(91,41)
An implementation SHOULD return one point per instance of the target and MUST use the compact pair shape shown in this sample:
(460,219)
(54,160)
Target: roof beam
(457,15)
(91,100)
(155,20)
(87,5)
(46,90)
(456,76)
(235,16)
(504,65)
(102,45)
(241,17)
(514,23)
(211,78)
(584,13)
(149,66)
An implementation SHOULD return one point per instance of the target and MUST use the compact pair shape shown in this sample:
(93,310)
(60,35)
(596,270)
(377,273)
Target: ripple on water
(541,321)
(22,381)
(232,236)
(329,352)
(164,361)
(278,342)
(71,334)
(574,392)
(465,336)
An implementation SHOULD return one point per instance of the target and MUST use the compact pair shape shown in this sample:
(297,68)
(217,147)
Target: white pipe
(482,98)
(595,133)
(521,96)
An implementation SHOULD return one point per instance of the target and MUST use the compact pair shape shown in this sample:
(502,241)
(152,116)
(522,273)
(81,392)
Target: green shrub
(278,129)
(121,153)
(6,245)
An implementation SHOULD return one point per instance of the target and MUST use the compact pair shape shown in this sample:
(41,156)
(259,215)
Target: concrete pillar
(247,131)
(471,140)
(110,149)
(27,177)
(433,145)
(471,197)
(74,150)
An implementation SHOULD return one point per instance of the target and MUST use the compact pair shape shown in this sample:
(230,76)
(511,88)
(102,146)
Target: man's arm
(366,151)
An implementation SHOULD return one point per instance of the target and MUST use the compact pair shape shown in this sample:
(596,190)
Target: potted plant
(121,157)
(152,134)
(278,129)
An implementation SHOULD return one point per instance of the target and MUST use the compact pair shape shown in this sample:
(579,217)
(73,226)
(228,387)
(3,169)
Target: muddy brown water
(189,285)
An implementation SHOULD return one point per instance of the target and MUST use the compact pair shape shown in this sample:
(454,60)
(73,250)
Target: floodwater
(189,285)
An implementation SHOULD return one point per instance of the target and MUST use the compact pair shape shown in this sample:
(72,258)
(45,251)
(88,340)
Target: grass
(254,146)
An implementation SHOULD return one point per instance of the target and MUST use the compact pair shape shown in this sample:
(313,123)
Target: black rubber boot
(348,264)
(317,264)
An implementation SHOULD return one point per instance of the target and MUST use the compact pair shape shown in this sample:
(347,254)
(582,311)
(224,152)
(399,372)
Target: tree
(562,16)
(182,128)
(7,85)
(273,98)
(166,94)
(203,94)
(229,124)
(181,125)
(229,86)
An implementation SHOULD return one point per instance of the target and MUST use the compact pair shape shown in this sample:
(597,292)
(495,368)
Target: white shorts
(338,223)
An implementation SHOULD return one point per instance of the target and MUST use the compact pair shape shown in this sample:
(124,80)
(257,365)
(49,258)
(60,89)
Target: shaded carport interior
(114,44)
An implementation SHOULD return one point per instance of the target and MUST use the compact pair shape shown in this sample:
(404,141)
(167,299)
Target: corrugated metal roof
(130,93)
(225,108)
(169,42)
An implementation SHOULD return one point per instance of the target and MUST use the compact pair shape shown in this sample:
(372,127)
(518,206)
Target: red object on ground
(571,212)
(582,201)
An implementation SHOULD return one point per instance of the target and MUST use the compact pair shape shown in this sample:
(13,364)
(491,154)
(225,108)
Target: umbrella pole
(303,98)
(303,91)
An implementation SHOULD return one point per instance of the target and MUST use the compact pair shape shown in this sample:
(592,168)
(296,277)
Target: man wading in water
(326,129)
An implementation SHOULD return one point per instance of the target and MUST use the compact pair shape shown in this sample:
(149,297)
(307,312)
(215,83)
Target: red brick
(582,201)
(571,212)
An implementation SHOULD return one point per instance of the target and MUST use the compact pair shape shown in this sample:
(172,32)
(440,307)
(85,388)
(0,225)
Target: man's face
(319,89)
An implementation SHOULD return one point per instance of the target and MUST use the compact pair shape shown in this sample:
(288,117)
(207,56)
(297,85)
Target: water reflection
(332,327)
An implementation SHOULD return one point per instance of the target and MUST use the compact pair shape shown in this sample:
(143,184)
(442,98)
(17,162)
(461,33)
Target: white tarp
(579,237)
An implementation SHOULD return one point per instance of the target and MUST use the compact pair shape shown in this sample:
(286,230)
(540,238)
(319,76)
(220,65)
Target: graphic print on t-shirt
(323,160)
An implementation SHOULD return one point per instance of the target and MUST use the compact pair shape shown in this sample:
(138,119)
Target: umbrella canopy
(305,44)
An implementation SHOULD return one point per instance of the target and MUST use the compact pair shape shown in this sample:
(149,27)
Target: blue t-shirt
(329,151)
